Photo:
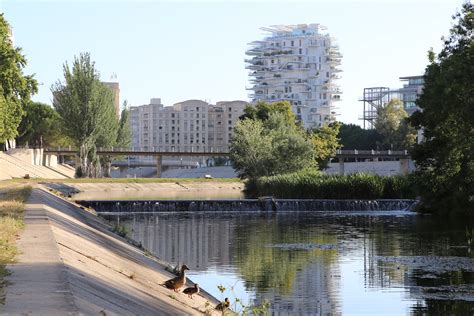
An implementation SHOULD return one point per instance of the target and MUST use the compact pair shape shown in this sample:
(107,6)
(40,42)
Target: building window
(301,51)
(230,115)
(292,43)
(230,122)
(197,108)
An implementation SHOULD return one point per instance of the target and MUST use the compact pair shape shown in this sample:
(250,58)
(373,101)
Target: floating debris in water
(433,264)
(303,246)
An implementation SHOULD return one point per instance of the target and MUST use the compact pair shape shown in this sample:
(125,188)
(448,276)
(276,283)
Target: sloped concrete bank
(71,264)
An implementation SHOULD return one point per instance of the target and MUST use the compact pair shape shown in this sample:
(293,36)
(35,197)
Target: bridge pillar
(341,166)
(159,163)
(403,166)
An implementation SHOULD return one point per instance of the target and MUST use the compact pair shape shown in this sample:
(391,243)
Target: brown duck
(222,306)
(178,282)
(192,290)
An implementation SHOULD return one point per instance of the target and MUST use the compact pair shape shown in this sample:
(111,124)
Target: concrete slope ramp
(95,272)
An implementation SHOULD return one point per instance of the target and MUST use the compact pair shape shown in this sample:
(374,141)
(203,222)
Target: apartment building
(299,64)
(191,125)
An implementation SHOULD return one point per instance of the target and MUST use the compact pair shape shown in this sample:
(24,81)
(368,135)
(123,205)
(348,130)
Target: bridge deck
(364,154)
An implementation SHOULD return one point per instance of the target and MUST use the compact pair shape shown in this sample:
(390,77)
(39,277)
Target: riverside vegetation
(312,184)
(11,222)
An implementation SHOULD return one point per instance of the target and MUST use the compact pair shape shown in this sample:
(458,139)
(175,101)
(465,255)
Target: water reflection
(378,263)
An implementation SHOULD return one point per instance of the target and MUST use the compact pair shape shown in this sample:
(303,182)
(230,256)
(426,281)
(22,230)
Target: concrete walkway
(71,264)
(38,280)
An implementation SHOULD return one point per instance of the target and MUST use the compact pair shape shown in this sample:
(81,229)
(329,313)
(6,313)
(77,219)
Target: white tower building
(297,63)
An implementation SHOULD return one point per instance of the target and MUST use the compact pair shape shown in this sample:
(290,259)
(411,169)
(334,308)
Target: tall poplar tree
(15,88)
(86,106)
(445,158)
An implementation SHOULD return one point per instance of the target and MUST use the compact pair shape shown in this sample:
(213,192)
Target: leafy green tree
(15,88)
(250,148)
(391,124)
(40,126)
(325,142)
(270,147)
(261,111)
(123,137)
(124,134)
(445,158)
(353,136)
(86,108)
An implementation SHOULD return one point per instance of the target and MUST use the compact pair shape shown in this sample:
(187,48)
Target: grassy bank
(11,222)
(316,185)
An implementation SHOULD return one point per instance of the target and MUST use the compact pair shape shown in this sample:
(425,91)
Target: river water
(316,263)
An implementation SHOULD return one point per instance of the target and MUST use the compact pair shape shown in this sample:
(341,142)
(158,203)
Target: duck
(178,282)
(192,290)
(222,306)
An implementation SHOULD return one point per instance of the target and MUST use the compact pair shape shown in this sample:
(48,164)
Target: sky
(180,50)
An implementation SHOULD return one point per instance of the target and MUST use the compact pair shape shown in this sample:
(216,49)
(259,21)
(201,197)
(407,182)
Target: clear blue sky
(179,50)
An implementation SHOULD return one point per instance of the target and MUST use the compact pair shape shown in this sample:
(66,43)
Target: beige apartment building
(191,125)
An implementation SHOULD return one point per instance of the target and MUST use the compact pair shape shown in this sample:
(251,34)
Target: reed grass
(316,185)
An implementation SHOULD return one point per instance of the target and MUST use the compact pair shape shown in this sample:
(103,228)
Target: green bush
(316,185)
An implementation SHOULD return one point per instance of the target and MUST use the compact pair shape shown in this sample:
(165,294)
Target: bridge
(222,152)
(402,155)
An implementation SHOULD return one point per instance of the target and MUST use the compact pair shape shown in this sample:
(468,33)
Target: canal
(318,263)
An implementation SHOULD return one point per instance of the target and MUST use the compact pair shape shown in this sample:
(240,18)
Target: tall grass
(11,221)
(316,185)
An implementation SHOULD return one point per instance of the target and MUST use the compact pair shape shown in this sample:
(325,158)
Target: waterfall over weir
(247,205)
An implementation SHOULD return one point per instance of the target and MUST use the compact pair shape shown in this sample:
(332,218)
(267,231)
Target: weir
(246,205)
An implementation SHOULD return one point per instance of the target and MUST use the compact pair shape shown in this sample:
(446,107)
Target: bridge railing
(356,152)
(152,149)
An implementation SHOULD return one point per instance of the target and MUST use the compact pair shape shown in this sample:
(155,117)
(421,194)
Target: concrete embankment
(199,189)
(70,264)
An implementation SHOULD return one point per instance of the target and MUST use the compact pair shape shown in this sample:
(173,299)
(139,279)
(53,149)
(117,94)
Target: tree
(261,111)
(41,126)
(325,142)
(15,88)
(270,147)
(353,136)
(391,124)
(123,137)
(124,134)
(445,158)
(86,108)
(250,149)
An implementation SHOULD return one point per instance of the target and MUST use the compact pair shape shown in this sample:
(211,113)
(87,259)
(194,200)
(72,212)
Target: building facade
(115,87)
(191,125)
(299,64)
(376,97)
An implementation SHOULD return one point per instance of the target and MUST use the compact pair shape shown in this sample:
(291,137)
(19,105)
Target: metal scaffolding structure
(376,97)
(373,98)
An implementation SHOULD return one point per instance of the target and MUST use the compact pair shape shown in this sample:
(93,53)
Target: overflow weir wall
(246,205)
